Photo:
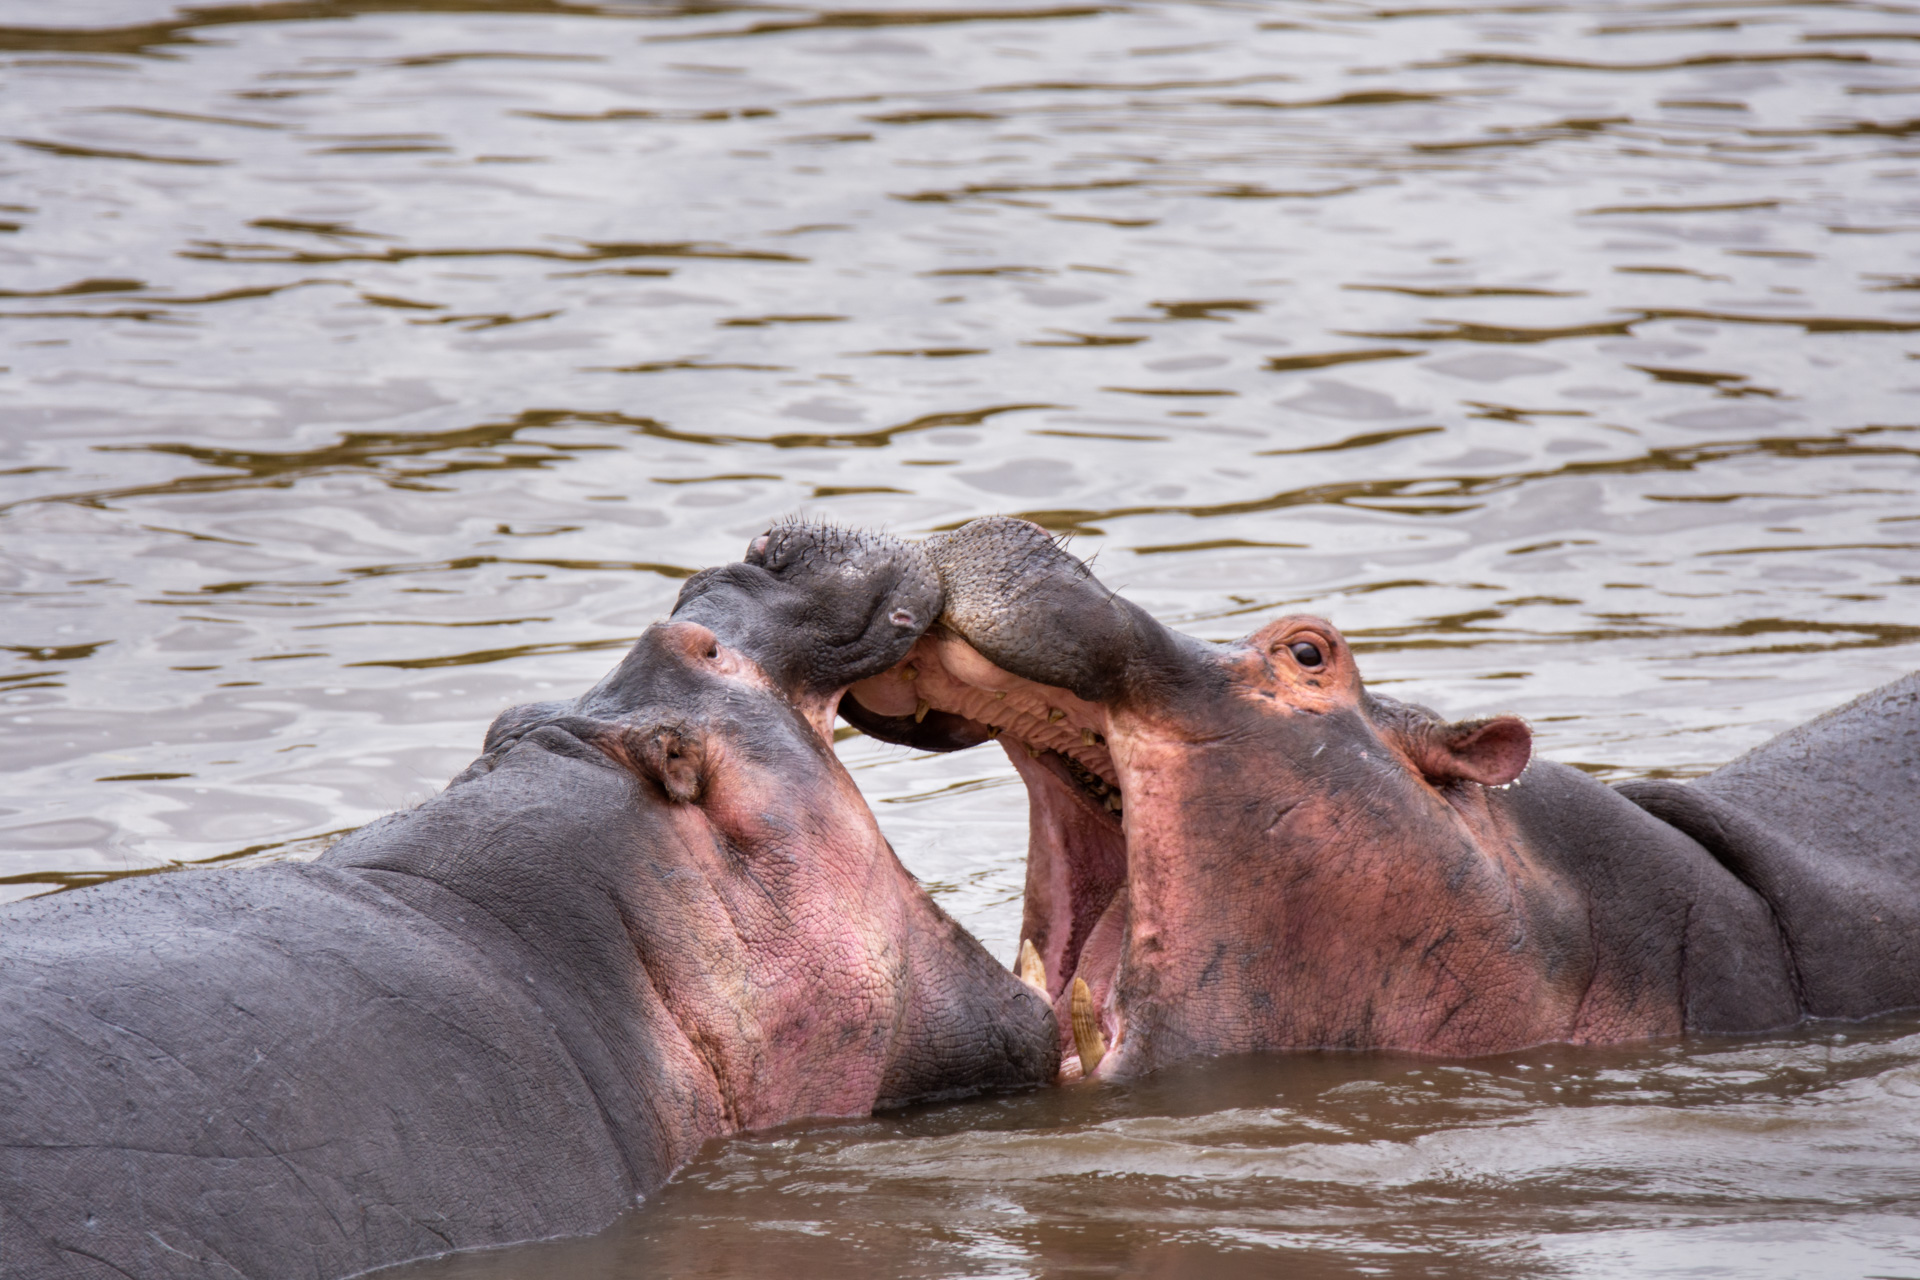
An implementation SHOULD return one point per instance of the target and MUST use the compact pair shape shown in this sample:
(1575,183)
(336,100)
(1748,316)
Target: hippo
(651,916)
(1240,848)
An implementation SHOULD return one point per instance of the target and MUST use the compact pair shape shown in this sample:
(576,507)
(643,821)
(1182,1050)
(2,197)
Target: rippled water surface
(367,366)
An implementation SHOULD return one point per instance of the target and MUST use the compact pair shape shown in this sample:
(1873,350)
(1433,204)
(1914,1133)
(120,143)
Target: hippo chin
(1239,848)
(640,920)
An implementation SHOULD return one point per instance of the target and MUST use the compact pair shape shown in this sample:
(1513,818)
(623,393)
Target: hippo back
(305,1070)
(1824,823)
(277,1072)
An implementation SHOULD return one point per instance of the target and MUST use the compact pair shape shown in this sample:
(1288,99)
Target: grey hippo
(1239,847)
(651,916)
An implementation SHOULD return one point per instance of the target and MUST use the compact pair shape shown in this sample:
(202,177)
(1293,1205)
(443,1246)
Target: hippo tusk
(1086,1030)
(1031,969)
(1086,737)
(920,710)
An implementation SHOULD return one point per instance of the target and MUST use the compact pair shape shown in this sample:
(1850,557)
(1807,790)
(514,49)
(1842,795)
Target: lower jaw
(1077,903)
(1097,967)
(1099,961)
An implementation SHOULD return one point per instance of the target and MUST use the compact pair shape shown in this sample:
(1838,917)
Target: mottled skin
(639,921)
(1296,862)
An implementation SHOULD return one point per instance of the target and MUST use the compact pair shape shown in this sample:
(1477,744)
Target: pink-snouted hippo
(1238,847)
(640,920)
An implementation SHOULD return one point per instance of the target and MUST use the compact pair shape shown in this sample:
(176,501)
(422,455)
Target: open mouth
(944,694)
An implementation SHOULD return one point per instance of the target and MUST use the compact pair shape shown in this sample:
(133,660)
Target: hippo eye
(1306,653)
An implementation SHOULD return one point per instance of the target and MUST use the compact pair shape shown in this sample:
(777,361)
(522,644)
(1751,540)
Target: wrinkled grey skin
(1784,885)
(1823,825)
(640,920)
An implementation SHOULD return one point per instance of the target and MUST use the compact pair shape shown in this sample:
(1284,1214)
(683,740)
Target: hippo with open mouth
(1240,848)
(640,920)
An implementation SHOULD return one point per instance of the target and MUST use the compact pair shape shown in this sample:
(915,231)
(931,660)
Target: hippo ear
(673,757)
(1492,752)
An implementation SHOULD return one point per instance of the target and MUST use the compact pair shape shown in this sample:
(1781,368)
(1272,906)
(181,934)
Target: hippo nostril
(900,618)
(713,650)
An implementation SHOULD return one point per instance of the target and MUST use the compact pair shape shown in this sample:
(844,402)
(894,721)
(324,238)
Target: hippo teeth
(1086,1029)
(1102,792)
(1032,970)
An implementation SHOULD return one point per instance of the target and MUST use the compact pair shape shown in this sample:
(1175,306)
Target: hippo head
(802,968)
(1232,847)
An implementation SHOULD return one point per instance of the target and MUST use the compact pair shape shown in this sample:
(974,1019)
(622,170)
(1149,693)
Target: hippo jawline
(945,696)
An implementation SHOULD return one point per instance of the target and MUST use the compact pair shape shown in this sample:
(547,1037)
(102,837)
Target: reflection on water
(368,367)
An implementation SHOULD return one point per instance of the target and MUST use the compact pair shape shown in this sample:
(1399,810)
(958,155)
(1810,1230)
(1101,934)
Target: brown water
(369,366)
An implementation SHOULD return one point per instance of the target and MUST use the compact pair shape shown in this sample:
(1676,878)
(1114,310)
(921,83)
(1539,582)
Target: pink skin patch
(804,958)
(1272,868)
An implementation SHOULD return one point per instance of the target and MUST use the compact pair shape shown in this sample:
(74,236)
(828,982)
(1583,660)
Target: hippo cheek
(783,959)
(1255,917)
(869,995)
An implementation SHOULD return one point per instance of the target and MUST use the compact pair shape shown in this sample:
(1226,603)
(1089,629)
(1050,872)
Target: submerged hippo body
(638,921)
(1239,848)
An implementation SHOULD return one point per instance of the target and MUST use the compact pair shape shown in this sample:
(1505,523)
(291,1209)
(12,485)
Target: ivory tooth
(909,672)
(993,731)
(1032,969)
(1086,737)
(920,710)
(998,694)
(1055,715)
(1113,801)
(1086,1030)
(1033,752)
